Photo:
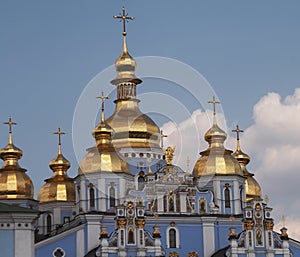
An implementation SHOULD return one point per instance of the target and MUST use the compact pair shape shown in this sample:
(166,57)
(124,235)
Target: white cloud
(272,141)
(188,136)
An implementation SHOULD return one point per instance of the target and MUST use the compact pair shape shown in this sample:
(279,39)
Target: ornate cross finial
(103,98)
(59,133)
(162,135)
(214,102)
(10,123)
(237,131)
(124,18)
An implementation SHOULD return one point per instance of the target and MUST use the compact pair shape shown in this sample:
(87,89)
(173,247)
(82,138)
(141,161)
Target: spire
(10,123)
(59,164)
(10,154)
(59,187)
(102,132)
(214,103)
(215,136)
(103,98)
(15,183)
(59,133)
(216,160)
(241,157)
(125,65)
(253,190)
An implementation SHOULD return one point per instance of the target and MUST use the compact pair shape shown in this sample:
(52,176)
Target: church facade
(129,199)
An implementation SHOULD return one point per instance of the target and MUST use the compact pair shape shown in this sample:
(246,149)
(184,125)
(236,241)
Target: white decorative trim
(168,237)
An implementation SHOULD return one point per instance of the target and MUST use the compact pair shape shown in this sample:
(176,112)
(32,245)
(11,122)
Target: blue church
(129,199)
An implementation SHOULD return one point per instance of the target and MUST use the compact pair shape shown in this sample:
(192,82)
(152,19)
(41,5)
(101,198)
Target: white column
(56,215)
(236,197)
(218,195)
(122,188)
(80,243)
(208,235)
(82,196)
(102,194)
(160,203)
(93,231)
(286,250)
(183,201)
(24,245)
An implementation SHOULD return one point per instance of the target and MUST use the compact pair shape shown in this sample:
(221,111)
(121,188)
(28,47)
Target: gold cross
(103,98)
(237,131)
(214,102)
(125,18)
(59,133)
(162,138)
(10,123)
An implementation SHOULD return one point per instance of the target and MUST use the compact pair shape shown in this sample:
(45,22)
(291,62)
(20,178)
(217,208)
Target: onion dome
(253,189)
(14,182)
(103,157)
(133,129)
(59,187)
(216,160)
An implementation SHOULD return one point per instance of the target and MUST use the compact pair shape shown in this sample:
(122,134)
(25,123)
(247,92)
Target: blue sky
(50,50)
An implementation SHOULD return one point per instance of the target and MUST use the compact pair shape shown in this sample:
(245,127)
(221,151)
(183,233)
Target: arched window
(202,205)
(171,202)
(241,197)
(92,198)
(227,197)
(141,183)
(112,197)
(130,236)
(172,238)
(49,223)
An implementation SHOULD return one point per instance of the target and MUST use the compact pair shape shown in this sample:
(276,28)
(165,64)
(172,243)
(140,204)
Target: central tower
(134,130)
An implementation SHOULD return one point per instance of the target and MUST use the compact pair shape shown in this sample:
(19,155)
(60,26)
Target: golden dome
(59,187)
(216,160)
(102,157)
(132,128)
(253,189)
(14,182)
(125,67)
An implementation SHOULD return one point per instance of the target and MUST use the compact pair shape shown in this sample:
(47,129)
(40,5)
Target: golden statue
(169,154)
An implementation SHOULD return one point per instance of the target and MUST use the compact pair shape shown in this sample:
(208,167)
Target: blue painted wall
(7,243)
(68,244)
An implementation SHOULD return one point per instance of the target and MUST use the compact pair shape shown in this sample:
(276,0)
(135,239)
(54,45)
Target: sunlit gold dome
(103,157)
(59,187)
(14,182)
(133,128)
(216,160)
(125,67)
(253,189)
